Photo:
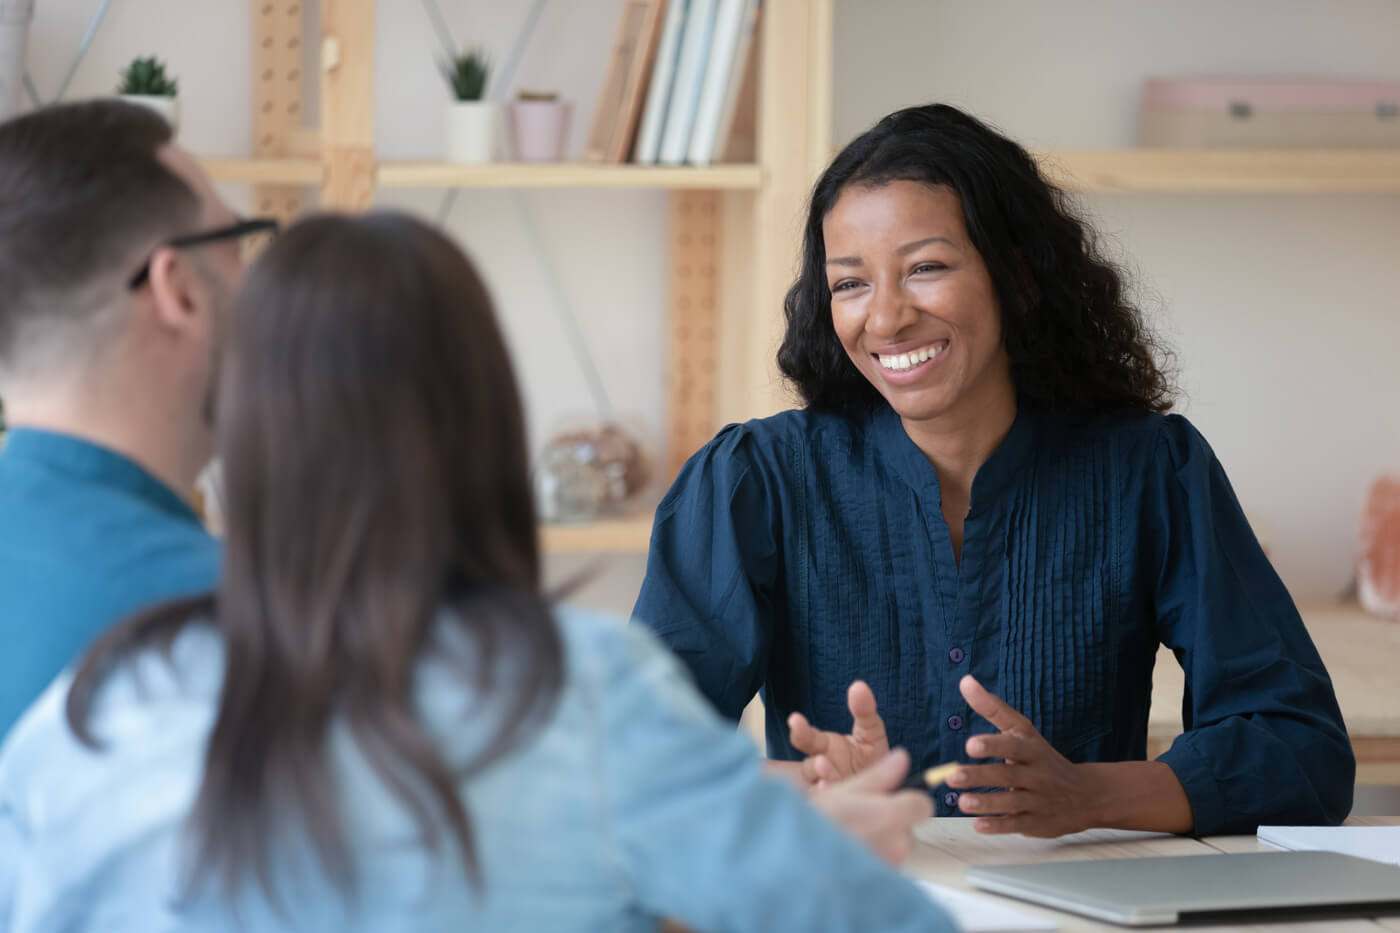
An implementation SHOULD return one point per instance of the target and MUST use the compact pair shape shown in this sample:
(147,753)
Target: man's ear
(175,289)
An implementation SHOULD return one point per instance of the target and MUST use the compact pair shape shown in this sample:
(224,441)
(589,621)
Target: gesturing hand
(1045,795)
(867,806)
(832,756)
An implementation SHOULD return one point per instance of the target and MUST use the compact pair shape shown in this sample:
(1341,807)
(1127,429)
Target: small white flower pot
(471,131)
(167,107)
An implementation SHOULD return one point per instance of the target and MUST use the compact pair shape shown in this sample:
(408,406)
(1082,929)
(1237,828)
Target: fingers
(1025,824)
(805,738)
(867,726)
(818,769)
(894,841)
(998,803)
(884,775)
(998,775)
(1018,748)
(790,771)
(1001,825)
(991,707)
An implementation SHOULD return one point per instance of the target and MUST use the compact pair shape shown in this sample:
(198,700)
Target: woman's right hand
(869,807)
(832,756)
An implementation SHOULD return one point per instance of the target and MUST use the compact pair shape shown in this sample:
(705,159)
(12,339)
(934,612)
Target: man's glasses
(232,232)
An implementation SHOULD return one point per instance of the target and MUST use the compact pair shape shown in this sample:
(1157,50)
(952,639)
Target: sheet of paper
(1378,843)
(974,913)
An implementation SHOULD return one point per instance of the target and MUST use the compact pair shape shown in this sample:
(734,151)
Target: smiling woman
(985,519)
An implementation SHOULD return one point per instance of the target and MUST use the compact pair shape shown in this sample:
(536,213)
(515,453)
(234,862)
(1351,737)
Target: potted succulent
(145,82)
(471,127)
(539,126)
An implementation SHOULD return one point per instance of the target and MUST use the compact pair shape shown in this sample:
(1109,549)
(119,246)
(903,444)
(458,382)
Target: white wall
(1281,307)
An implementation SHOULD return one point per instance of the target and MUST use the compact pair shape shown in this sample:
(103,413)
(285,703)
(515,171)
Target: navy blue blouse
(798,553)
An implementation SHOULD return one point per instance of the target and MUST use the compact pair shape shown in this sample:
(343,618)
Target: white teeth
(902,361)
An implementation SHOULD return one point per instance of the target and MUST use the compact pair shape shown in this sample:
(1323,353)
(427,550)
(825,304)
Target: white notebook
(663,74)
(690,73)
(1378,843)
(974,913)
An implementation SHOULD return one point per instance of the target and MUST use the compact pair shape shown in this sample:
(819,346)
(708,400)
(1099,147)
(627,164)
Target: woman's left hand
(1045,795)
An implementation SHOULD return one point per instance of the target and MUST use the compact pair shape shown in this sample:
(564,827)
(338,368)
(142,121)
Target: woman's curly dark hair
(1075,342)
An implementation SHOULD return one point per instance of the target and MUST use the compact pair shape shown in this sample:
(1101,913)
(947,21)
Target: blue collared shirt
(87,537)
(801,552)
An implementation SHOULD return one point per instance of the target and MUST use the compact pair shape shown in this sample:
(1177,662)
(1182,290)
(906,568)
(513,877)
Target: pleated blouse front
(799,553)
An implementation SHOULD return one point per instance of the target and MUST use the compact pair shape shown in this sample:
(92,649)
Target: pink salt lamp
(1378,571)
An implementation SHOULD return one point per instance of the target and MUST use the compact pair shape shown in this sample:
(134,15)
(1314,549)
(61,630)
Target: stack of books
(682,84)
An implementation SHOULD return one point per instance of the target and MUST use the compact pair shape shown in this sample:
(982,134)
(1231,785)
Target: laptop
(1203,888)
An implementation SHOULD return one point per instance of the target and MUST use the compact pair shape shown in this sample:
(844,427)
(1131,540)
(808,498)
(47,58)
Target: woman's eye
(843,285)
(929,267)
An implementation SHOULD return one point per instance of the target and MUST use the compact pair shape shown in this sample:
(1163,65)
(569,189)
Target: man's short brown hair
(82,191)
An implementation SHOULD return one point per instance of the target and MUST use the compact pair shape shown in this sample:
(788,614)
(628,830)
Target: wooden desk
(1362,653)
(947,847)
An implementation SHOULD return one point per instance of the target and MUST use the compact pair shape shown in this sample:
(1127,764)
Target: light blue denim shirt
(634,801)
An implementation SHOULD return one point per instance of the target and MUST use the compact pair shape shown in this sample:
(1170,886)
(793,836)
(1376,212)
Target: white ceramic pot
(15,16)
(471,129)
(539,129)
(168,107)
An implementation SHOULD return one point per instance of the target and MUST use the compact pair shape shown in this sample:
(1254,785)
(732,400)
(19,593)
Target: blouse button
(951,798)
(955,722)
(956,655)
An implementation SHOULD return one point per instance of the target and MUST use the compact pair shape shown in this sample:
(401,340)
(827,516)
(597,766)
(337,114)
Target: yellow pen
(933,777)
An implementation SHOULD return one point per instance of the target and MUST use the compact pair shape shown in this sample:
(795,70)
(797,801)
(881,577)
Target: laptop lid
(1155,891)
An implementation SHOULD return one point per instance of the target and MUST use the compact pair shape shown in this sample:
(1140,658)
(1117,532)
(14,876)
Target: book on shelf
(724,73)
(615,120)
(738,133)
(696,37)
(663,73)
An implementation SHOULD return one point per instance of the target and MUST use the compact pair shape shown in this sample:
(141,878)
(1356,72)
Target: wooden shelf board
(265,171)
(566,175)
(1225,170)
(631,534)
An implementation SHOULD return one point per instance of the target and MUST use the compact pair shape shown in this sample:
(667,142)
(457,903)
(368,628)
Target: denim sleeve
(705,838)
(710,571)
(1264,739)
(11,858)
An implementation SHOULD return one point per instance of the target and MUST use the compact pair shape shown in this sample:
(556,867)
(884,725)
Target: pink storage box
(1261,113)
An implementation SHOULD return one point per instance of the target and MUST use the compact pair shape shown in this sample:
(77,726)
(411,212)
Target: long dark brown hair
(374,448)
(1075,340)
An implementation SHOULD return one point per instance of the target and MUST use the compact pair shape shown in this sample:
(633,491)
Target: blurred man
(119,263)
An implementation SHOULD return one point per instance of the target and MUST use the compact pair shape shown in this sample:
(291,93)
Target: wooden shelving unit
(1223,171)
(733,228)
(568,175)
(631,534)
(279,172)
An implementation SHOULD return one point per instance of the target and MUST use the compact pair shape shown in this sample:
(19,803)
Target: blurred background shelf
(631,534)
(1225,170)
(567,175)
(265,171)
